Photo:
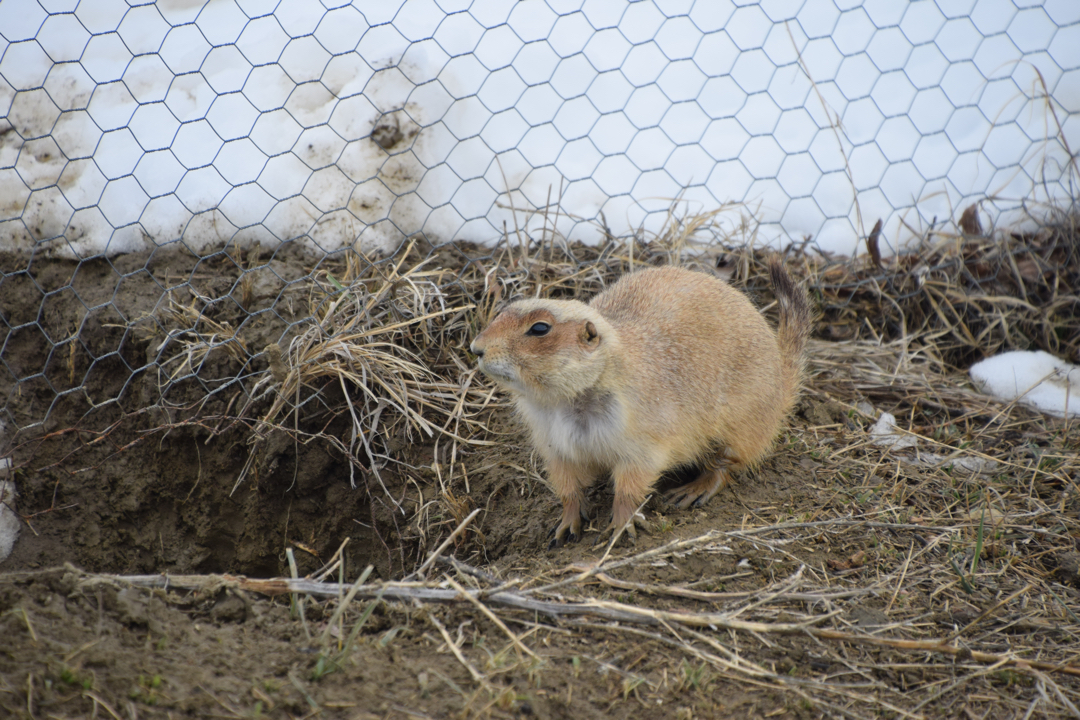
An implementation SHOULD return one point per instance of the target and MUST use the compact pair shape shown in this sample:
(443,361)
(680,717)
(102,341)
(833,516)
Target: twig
(469,570)
(518,645)
(298,599)
(605,609)
(986,613)
(691,594)
(337,617)
(98,700)
(456,650)
(420,571)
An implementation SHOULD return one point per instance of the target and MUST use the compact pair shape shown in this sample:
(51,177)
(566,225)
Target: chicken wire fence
(266,140)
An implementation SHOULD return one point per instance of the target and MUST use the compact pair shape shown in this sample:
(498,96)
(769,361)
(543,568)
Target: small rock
(864,617)
(387,132)
(131,607)
(1068,569)
(229,608)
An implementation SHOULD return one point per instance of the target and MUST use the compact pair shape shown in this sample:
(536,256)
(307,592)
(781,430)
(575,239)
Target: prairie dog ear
(589,335)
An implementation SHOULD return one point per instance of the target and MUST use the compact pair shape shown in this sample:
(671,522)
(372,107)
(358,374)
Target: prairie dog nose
(477,351)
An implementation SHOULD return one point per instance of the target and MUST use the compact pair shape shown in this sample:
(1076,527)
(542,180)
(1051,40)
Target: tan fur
(667,367)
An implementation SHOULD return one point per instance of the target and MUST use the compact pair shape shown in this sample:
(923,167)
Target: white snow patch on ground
(9,520)
(1037,379)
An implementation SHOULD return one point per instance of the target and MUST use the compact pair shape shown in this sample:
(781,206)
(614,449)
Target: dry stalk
(197,335)
(621,612)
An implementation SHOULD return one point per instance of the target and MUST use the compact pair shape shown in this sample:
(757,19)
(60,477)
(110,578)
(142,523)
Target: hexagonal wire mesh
(129,128)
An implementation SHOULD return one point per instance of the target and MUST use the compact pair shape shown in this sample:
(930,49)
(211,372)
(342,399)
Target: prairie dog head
(545,350)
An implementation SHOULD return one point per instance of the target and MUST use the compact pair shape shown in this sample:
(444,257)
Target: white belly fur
(590,433)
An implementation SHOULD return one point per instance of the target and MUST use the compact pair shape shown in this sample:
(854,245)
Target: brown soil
(115,487)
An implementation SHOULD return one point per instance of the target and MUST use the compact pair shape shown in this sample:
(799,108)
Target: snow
(10,524)
(211,122)
(1036,379)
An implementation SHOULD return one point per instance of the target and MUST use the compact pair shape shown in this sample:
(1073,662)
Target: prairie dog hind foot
(713,478)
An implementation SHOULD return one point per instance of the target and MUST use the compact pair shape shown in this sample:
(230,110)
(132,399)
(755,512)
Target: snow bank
(231,120)
(10,524)
(1038,379)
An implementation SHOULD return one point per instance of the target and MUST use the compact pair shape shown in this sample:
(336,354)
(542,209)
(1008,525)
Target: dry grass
(375,333)
(196,335)
(967,296)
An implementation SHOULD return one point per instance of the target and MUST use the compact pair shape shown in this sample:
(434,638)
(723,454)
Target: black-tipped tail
(795,322)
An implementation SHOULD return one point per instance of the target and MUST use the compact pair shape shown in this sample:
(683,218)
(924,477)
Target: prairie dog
(667,367)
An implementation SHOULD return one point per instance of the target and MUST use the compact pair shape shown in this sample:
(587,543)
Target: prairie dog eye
(538,329)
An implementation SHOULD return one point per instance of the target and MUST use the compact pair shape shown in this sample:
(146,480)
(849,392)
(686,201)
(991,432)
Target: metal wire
(242,132)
